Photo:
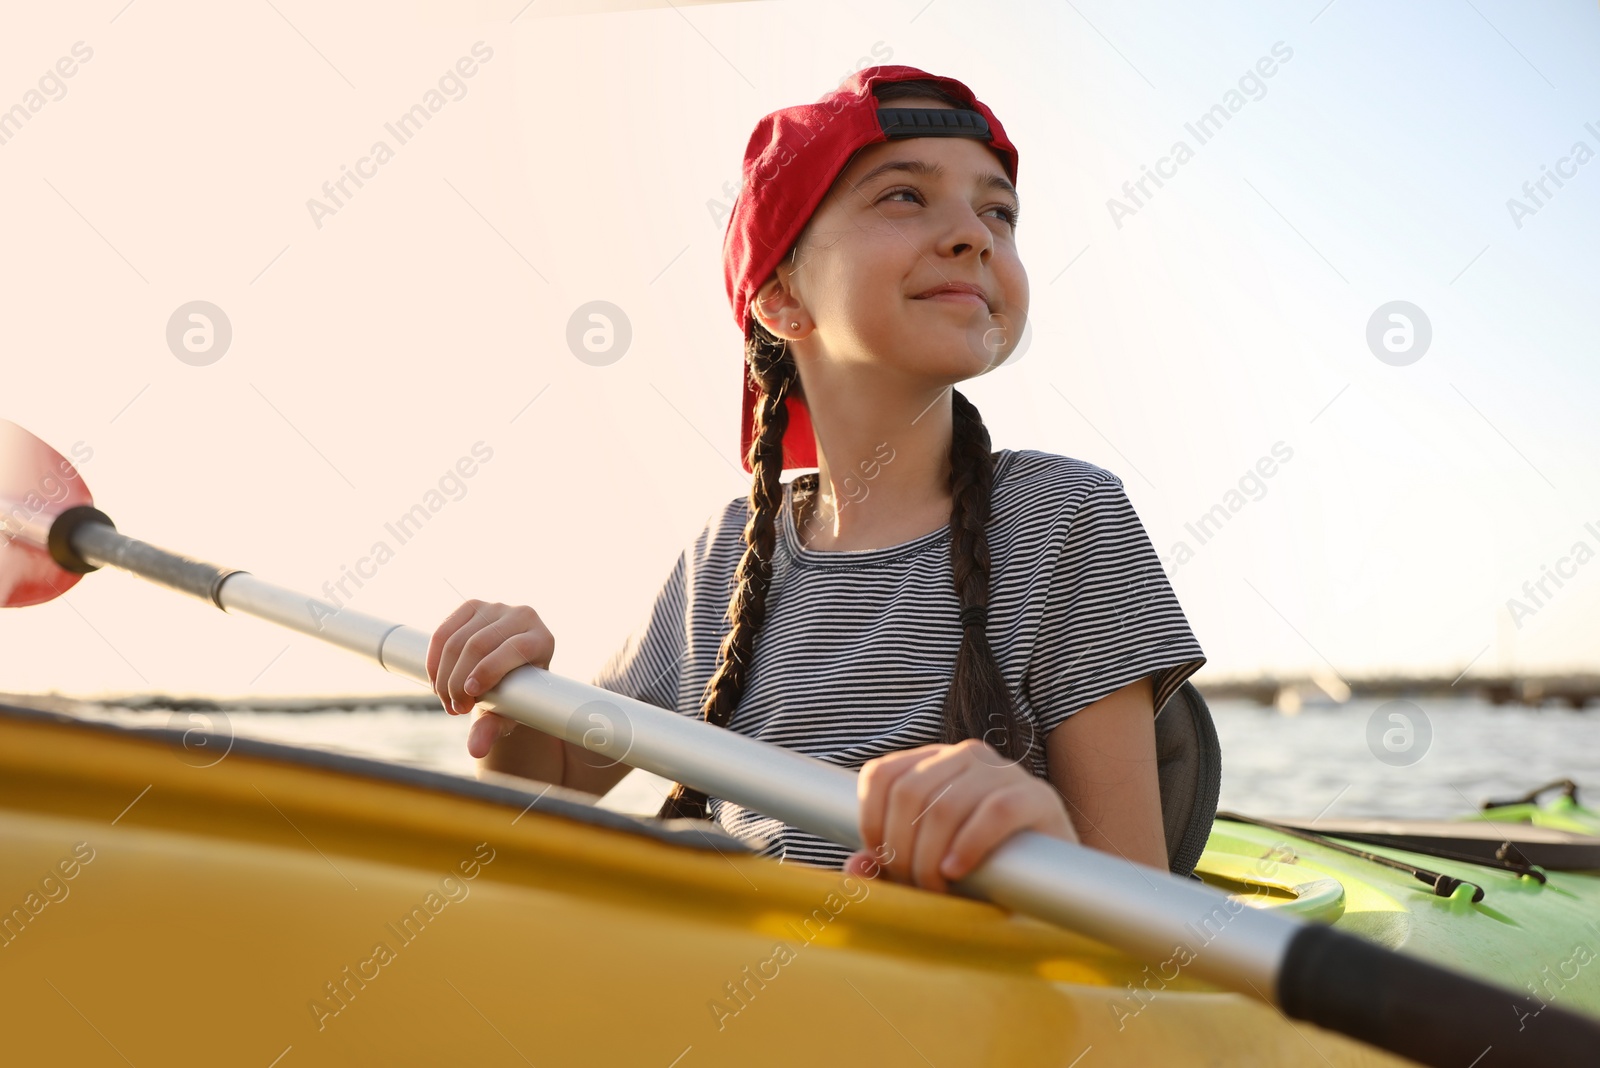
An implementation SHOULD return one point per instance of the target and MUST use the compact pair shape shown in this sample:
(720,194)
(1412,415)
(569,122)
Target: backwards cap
(793,157)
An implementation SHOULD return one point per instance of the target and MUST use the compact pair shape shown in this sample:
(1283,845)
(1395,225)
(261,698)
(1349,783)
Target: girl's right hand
(476,647)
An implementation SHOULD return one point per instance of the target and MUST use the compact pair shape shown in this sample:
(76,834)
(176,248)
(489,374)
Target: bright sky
(376,341)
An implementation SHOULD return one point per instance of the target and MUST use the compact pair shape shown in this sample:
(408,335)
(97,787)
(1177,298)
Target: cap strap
(933,122)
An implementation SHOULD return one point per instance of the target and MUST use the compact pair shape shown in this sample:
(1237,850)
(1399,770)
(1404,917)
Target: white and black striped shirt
(855,656)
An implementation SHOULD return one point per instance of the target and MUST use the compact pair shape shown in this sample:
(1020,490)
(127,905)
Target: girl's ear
(778,308)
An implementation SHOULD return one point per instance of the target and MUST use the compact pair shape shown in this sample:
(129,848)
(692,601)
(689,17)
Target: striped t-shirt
(855,656)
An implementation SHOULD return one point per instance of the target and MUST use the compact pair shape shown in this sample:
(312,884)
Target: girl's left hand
(932,814)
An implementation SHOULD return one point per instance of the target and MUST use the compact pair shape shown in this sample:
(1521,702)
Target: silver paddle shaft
(1146,913)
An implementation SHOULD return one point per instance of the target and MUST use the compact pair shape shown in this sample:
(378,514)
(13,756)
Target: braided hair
(978,703)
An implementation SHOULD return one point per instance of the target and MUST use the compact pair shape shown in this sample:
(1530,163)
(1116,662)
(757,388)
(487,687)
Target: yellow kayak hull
(280,907)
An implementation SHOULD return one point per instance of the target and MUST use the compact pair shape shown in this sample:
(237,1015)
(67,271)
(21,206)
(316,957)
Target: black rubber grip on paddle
(62,527)
(86,529)
(1419,1010)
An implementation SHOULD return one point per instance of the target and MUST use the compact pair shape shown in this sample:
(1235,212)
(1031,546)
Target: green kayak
(1511,895)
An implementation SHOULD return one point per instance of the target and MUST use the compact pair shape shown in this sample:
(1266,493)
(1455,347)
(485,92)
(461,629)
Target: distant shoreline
(1288,692)
(1531,691)
(59,702)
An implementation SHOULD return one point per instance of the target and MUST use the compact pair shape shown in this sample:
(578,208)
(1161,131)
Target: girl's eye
(1010,214)
(1007,213)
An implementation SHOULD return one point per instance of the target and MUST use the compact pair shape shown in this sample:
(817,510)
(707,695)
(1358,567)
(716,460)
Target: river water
(1439,758)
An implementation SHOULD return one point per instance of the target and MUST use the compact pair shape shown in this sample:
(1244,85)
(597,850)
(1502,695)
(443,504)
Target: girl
(987,636)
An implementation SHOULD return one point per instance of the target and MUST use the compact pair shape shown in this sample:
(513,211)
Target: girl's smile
(876,283)
(950,296)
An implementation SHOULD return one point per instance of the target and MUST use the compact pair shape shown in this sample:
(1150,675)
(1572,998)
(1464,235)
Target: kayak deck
(1536,938)
(328,909)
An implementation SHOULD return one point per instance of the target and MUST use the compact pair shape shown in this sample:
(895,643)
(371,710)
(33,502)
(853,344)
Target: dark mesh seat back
(1189,763)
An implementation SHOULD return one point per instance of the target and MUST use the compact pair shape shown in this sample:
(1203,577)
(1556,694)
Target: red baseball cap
(793,157)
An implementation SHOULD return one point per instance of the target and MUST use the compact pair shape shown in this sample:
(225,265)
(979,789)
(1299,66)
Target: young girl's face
(887,234)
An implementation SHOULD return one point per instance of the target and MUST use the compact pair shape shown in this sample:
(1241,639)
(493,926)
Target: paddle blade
(36,484)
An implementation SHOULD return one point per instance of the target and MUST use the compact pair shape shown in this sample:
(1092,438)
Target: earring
(794,326)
